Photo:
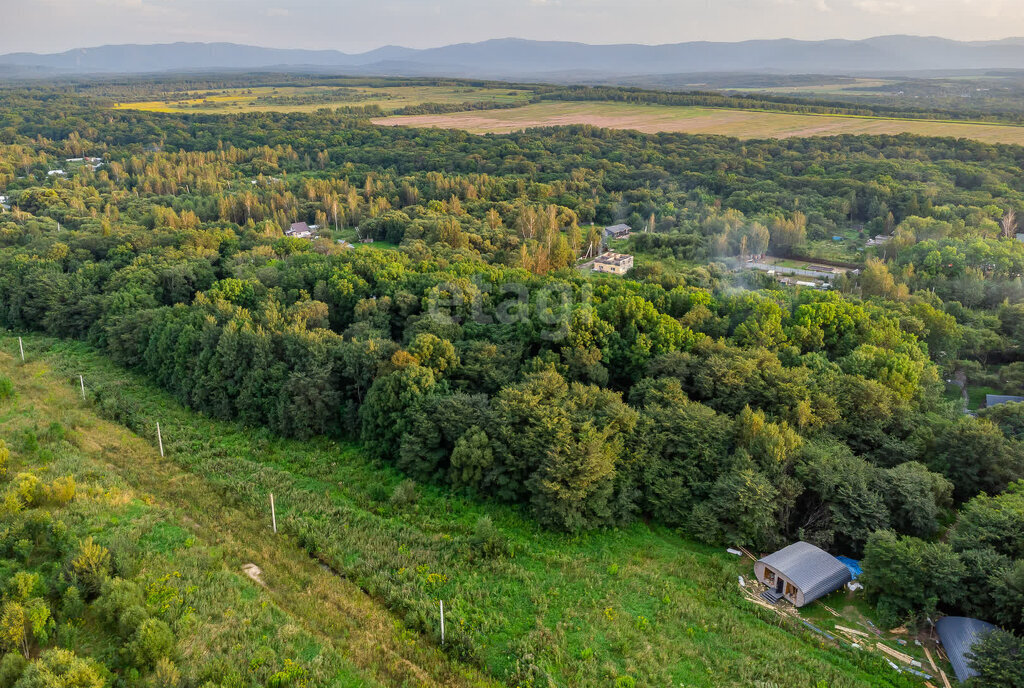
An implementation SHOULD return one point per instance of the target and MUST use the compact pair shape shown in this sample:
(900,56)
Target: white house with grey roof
(801,573)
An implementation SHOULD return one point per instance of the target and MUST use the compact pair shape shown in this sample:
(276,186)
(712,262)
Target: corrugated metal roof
(810,568)
(996,399)
(958,634)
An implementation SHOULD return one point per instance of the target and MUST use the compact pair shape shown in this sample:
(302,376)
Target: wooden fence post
(273,513)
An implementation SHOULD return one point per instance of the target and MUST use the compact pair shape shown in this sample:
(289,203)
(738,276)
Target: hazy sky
(349,25)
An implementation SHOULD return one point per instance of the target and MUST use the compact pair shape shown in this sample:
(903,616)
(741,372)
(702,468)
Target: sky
(357,25)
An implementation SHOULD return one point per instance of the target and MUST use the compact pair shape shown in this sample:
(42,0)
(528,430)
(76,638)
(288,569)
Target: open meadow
(744,124)
(309,98)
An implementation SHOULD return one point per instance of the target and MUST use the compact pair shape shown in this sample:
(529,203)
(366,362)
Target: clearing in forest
(744,124)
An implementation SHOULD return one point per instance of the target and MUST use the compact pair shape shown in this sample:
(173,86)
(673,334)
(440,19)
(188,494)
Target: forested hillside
(464,347)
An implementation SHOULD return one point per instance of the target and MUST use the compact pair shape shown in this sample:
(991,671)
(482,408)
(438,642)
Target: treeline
(442,108)
(848,106)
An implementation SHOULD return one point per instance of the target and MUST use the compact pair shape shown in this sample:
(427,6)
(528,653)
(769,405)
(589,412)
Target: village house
(619,231)
(300,230)
(801,573)
(615,263)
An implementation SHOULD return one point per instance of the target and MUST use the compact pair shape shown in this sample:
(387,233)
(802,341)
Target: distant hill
(519,58)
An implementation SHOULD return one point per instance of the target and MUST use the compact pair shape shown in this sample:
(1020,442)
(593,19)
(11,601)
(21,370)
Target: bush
(404,495)
(91,567)
(487,541)
(12,666)
(6,388)
(59,667)
(72,606)
(5,457)
(60,492)
(165,675)
(117,597)
(152,642)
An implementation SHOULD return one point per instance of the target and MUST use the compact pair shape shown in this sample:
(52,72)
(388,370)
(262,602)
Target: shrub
(6,388)
(61,491)
(405,494)
(152,642)
(28,489)
(165,675)
(131,620)
(72,606)
(91,567)
(12,666)
(5,457)
(59,667)
(487,541)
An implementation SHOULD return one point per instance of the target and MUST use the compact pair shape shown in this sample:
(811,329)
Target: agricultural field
(641,606)
(743,124)
(309,98)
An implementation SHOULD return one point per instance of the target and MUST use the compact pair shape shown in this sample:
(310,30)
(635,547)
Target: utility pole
(160,440)
(81,381)
(21,347)
(442,621)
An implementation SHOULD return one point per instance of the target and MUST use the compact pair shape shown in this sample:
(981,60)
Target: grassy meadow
(641,606)
(261,98)
(743,124)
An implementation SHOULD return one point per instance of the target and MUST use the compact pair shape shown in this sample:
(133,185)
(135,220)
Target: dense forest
(465,347)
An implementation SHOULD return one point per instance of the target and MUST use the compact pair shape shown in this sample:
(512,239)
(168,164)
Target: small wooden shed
(801,573)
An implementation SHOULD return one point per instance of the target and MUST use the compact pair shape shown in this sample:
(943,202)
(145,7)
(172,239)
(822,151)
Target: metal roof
(958,635)
(810,568)
(996,399)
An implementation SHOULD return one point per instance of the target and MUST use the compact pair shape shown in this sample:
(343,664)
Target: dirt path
(960,379)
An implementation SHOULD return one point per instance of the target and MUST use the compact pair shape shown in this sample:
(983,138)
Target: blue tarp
(851,564)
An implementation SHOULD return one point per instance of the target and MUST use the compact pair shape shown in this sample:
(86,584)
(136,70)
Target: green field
(744,124)
(236,100)
(639,606)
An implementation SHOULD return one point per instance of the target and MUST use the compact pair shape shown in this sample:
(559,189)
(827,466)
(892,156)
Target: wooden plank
(853,631)
(906,659)
(746,552)
(829,609)
(945,680)
(930,660)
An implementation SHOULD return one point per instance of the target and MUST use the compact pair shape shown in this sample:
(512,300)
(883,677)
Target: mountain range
(519,58)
